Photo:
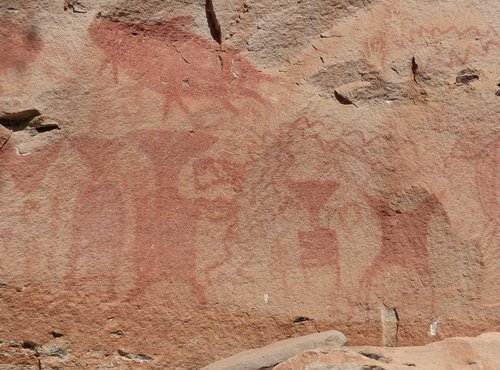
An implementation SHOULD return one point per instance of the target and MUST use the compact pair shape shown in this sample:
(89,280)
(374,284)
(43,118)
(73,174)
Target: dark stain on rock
(414,69)
(301,320)
(466,76)
(131,356)
(29,344)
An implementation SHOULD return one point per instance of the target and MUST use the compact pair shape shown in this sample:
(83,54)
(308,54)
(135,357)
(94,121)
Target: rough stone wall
(167,201)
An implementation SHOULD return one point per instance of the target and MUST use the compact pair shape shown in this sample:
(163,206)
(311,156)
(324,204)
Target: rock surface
(268,356)
(167,200)
(454,353)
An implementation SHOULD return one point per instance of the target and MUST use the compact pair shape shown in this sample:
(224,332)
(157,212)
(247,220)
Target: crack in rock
(138,357)
(213,23)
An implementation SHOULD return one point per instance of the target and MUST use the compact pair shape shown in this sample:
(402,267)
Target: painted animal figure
(404,232)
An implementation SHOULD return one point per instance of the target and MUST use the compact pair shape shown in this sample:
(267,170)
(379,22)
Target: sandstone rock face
(453,353)
(275,353)
(167,200)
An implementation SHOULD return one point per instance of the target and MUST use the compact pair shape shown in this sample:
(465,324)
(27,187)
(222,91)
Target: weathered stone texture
(453,353)
(182,200)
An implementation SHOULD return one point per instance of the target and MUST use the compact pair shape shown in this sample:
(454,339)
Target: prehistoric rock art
(482,155)
(475,40)
(20,46)
(181,181)
(404,236)
(319,246)
(175,63)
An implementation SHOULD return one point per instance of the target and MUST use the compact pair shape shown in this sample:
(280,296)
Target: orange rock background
(327,161)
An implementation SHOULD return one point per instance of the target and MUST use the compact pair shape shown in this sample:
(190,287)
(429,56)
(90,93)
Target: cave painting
(154,227)
(160,236)
(436,44)
(281,218)
(99,217)
(179,65)
(19,47)
(119,204)
(183,216)
(319,246)
(404,233)
(124,218)
(24,180)
(481,154)
(28,172)
(166,221)
(308,200)
(480,42)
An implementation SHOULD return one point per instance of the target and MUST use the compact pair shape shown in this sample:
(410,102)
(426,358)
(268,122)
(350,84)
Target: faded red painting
(445,42)
(166,221)
(127,223)
(481,155)
(28,171)
(404,232)
(19,46)
(98,219)
(319,246)
(281,219)
(318,202)
(175,63)
(24,222)
(116,202)
(479,42)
